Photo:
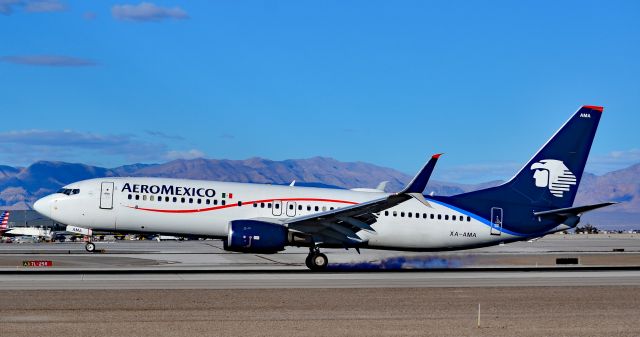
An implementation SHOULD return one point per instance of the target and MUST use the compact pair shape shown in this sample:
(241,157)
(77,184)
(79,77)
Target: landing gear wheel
(90,247)
(317,261)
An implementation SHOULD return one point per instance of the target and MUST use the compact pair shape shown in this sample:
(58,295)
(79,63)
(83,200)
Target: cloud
(190,154)
(43,6)
(7,7)
(478,173)
(89,16)
(48,60)
(147,11)
(483,172)
(27,146)
(614,160)
(161,134)
(30,145)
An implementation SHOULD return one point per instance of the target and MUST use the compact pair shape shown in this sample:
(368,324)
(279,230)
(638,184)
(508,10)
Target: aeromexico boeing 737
(258,218)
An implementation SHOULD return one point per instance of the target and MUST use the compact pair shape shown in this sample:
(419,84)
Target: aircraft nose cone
(42,206)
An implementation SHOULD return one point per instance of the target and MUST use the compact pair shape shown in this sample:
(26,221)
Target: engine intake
(253,236)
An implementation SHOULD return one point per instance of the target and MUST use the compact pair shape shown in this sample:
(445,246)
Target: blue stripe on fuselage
(479,218)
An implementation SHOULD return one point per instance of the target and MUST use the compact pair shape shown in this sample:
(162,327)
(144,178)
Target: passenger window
(166,199)
(137,197)
(424,215)
(431,216)
(269,205)
(324,208)
(331,208)
(386,213)
(175,199)
(299,207)
(239,203)
(468,218)
(191,200)
(453,217)
(277,205)
(199,201)
(215,201)
(130,197)
(402,214)
(183,200)
(446,217)
(308,208)
(439,217)
(291,207)
(317,209)
(409,214)
(395,213)
(152,198)
(224,195)
(208,202)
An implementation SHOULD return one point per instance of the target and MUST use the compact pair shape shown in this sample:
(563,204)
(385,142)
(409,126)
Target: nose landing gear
(316,261)
(90,247)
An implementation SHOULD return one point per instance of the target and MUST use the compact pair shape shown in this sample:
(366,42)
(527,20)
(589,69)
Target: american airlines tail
(544,189)
(4,222)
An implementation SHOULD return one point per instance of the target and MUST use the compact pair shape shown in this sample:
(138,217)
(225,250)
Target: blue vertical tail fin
(551,177)
(549,181)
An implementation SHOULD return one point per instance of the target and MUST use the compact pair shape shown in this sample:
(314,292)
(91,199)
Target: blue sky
(386,82)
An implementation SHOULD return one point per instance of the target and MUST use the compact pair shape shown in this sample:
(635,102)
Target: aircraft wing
(341,225)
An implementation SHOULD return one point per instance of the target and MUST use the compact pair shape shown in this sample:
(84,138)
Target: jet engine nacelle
(253,236)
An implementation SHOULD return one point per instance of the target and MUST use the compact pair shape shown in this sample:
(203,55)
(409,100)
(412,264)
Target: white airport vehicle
(258,218)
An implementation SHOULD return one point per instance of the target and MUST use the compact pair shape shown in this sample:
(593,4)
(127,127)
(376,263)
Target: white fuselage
(205,208)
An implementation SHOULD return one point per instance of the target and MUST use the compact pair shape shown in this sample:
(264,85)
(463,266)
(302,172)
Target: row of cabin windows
(430,216)
(176,199)
(291,206)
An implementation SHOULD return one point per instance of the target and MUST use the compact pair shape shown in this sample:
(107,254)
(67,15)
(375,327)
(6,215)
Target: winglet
(419,182)
(382,186)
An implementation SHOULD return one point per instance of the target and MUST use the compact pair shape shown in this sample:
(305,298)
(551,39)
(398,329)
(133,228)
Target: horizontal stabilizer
(419,182)
(573,210)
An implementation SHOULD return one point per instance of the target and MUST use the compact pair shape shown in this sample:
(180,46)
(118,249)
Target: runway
(310,280)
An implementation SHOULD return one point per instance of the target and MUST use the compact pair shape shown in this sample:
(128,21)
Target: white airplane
(38,233)
(258,218)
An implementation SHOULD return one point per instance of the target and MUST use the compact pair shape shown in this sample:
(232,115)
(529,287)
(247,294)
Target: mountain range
(21,186)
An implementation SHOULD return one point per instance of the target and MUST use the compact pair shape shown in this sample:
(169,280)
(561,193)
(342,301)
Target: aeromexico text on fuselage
(169,190)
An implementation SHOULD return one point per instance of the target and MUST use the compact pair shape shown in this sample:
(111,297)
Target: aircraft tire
(90,247)
(317,262)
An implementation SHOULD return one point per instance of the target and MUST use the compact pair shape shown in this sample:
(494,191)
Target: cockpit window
(69,191)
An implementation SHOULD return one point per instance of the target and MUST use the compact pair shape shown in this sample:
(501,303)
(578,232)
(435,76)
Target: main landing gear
(316,261)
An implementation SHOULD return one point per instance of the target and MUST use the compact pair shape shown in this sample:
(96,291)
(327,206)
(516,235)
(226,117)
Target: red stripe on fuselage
(215,208)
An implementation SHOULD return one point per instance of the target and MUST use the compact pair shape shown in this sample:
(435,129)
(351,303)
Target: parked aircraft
(36,232)
(257,218)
